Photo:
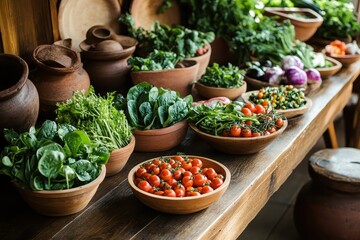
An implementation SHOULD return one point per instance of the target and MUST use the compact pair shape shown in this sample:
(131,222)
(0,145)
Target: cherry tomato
(265,133)
(265,103)
(157,162)
(192,194)
(216,182)
(146,176)
(256,134)
(140,172)
(272,129)
(199,180)
(187,181)
(137,180)
(210,173)
(169,193)
(203,171)
(164,166)
(177,175)
(279,122)
(179,193)
(172,182)
(194,170)
(259,109)
(206,189)
(235,131)
(159,192)
(186,165)
(187,173)
(219,175)
(154,169)
(147,166)
(154,180)
(247,112)
(197,162)
(165,174)
(178,158)
(250,106)
(246,132)
(144,185)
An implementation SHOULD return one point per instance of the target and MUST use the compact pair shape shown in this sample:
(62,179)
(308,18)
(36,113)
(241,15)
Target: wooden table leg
(330,137)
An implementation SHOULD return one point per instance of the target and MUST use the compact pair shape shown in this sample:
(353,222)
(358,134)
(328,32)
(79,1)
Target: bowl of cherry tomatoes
(235,127)
(179,184)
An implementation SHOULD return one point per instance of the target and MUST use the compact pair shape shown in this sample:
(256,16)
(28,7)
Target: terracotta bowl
(347,59)
(157,140)
(238,145)
(210,92)
(288,113)
(182,205)
(305,28)
(118,158)
(203,61)
(178,79)
(329,71)
(61,202)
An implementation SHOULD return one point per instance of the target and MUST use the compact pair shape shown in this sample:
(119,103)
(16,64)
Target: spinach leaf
(50,164)
(156,60)
(223,76)
(82,170)
(47,131)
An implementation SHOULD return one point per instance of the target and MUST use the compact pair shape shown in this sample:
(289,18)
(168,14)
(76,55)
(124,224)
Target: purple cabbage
(313,75)
(295,76)
(290,61)
(273,75)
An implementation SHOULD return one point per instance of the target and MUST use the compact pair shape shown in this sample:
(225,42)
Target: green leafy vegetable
(223,76)
(54,159)
(156,60)
(97,115)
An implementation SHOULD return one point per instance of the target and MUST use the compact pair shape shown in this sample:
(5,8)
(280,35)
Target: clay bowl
(238,145)
(346,60)
(157,140)
(61,202)
(305,28)
(329,71)
(210,92)
(203,61)
(118,158)
(184,205)
(288,113)
(178,79)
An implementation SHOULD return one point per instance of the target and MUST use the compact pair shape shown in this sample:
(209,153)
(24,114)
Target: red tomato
(247,112)
(259,109)
(246,132)
(199,180)
(147,166)
(187,181)
(279,122)
(172,182)
(187,173)
(146,176)
(186,165)
(216,182)
(178,158)
(206,189)
(235,131)
(137,180)
(165,174)
(169,193)
(203,171)
(140,172)
(210,173)
(192,194)
(179,193)
(256,134)
(157,162)
(177,175)
(250,106)
(160,193)
(197,162)
(194,170)
(144,185)
(164,166)
(272,129)
(154,169)
(154,180)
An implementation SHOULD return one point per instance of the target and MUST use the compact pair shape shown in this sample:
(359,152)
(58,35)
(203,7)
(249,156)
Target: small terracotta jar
(328,207)
(19,99)
(105,56)
(57,75)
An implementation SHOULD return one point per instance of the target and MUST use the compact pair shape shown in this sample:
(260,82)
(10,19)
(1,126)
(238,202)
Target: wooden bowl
(238,145)
(178,79)
(288,113)
(203,61)
(182,205)
(305,28)
(346,60)
(157,140)
(210,92)
(119,157)
(61,202)
(329,71)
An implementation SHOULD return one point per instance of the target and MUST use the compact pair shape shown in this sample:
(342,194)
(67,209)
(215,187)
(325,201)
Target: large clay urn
(57,75)
(105,56)
(19,99)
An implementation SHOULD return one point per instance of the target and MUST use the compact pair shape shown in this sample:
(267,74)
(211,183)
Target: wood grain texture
(114,212)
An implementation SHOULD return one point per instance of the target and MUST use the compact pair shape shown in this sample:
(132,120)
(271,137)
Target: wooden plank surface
(114,212)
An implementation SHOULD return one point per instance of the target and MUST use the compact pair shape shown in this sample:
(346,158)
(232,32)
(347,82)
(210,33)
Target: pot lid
(77,16)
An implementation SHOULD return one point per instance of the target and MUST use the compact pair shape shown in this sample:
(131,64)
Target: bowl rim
(239,139)
(245,97)
(335,67)
(161,131)
(225,184)
(194,64)
(198,82)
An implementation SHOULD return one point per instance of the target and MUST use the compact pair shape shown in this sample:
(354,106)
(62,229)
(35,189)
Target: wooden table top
(115,213)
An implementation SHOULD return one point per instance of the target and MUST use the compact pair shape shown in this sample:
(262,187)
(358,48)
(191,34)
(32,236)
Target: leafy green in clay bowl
(221,81)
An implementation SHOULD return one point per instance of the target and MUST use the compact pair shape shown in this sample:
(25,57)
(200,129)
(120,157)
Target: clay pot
(210,92)
(19,99)
(178,79)
(105,56)
(157,140)
(328,206)
(61,202)
(203,61)
(58,74)
(118,158)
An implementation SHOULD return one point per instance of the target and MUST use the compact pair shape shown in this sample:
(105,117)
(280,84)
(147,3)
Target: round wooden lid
(337,167)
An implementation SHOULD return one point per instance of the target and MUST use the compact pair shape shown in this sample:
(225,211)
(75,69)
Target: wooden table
(114,212)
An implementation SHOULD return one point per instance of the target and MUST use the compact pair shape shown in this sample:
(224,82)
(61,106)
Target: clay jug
(328,207)
(105,56)
(19,99)
(57,75)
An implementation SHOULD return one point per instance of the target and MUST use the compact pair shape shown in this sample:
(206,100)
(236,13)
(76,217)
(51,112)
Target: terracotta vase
(61,202)
(203,61)
(58,74)
(157,140)
(118,158)
(178,79)
(19,99)
(105,56)
(328,207)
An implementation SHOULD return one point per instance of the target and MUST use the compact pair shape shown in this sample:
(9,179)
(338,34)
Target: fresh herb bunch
(150,107)
(218,118)
(282,97)
(156,60)
(229,76)
(178,39)
(97,115)
(52,157)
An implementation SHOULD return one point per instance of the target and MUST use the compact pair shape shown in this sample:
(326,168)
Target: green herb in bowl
(223,76)
(156,60)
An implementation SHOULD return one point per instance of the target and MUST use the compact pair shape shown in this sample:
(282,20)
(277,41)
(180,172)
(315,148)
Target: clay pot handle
(98,33)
